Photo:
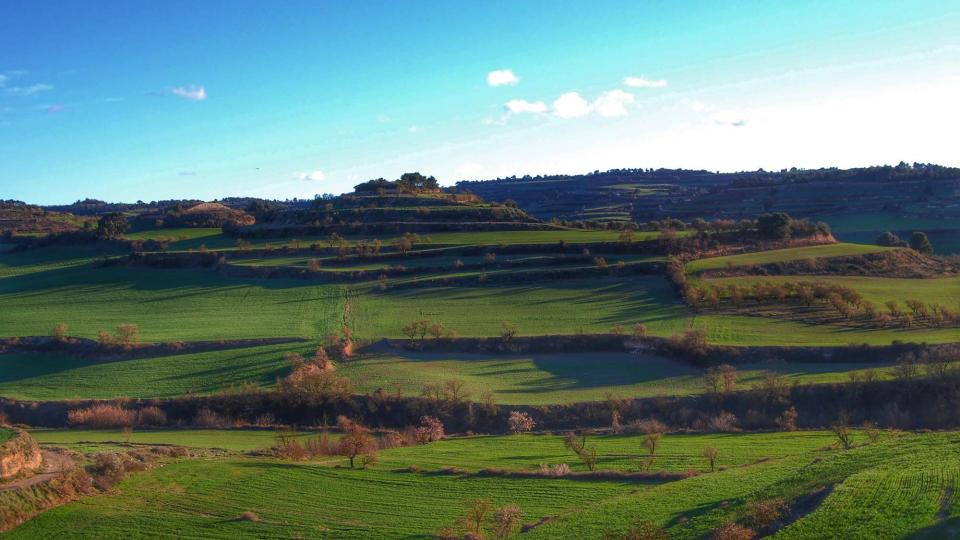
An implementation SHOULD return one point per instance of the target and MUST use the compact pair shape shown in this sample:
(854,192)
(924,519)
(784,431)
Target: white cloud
(28,90)
(193,93)
(613,103)
(502,77)
(571,105)
(187,173)
(315,176)
(643,82)
(517,106)
(414,129)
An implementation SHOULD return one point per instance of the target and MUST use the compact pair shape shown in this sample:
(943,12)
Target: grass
(783,255)
(46,376)
(5,434)
(239,440)
(892,488)
(568,378)
(944,291)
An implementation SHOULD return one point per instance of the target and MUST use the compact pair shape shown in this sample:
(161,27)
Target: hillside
(860,202)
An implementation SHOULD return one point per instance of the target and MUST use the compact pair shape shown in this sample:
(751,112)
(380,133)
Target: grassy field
(944,291)
(240,440)
(521,380)
(894,488)
(5,434)
(47,376)
(783,255)
(568,378)
(213,238)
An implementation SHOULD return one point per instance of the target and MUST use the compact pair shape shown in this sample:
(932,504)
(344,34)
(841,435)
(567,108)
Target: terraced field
(87,440)
(47,376)
(569,378)
(892,488)
(783,255)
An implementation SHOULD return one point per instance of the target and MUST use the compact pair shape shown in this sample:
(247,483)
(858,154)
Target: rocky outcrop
(20,455)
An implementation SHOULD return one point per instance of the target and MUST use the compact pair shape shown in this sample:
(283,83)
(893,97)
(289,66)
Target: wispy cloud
(502,77)
(314,176)
(643,82)
(28,90)
(3,79)
(193,93)
(729,118)
(414,129)
(187,173)
(55,108)
(518,106)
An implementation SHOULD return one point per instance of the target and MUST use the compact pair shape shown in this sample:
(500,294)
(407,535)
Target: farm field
(53,376)
(570,378)
(944,291)
(86,440)
(891,488)
(782,255)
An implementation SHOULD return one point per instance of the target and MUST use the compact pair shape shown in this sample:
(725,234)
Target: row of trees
(918,242)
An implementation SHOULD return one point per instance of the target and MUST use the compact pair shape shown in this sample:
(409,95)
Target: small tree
(920,243)
(651,441)
(128,335)
(521,422)
(59,332)
(841,428)
(788,420)
(508,331)
(112,225)
(356,439)
(711,454)
(579,447)
(478,511)
(505,521)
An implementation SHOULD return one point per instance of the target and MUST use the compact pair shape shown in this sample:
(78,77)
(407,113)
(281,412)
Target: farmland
(232,369)
(205,496)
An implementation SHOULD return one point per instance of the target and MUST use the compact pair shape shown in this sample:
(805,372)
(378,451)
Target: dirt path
(53,464)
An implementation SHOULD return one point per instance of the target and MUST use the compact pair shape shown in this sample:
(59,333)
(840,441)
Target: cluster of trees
(125,337)
(846,301)
(919,242)
(357,441)
(482,520)
(407,183)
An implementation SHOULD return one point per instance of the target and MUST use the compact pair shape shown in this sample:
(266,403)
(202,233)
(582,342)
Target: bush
(724,422)
(151,416)
(643,530)
(521,422)
(763,514)
(248,516)
(102,416)
(733,531)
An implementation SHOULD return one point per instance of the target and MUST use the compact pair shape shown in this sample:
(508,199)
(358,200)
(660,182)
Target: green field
(532,379)
(569,378)
(944,291)
(783,255)
(213,238)
(44,376)
(239,440)
(5,434)
(893,488)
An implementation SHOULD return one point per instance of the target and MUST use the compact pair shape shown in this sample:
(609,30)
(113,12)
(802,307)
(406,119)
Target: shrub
(102,415)
(725,422)
(506,519)
(521,422)
(579,447)
(208,418)
(788,420)
(762,514)
(248,516)
(59,332)
(733,531)
(151,416)
(429,430)
(711,454)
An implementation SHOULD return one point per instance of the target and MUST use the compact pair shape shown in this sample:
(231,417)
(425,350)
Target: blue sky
(152,100)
